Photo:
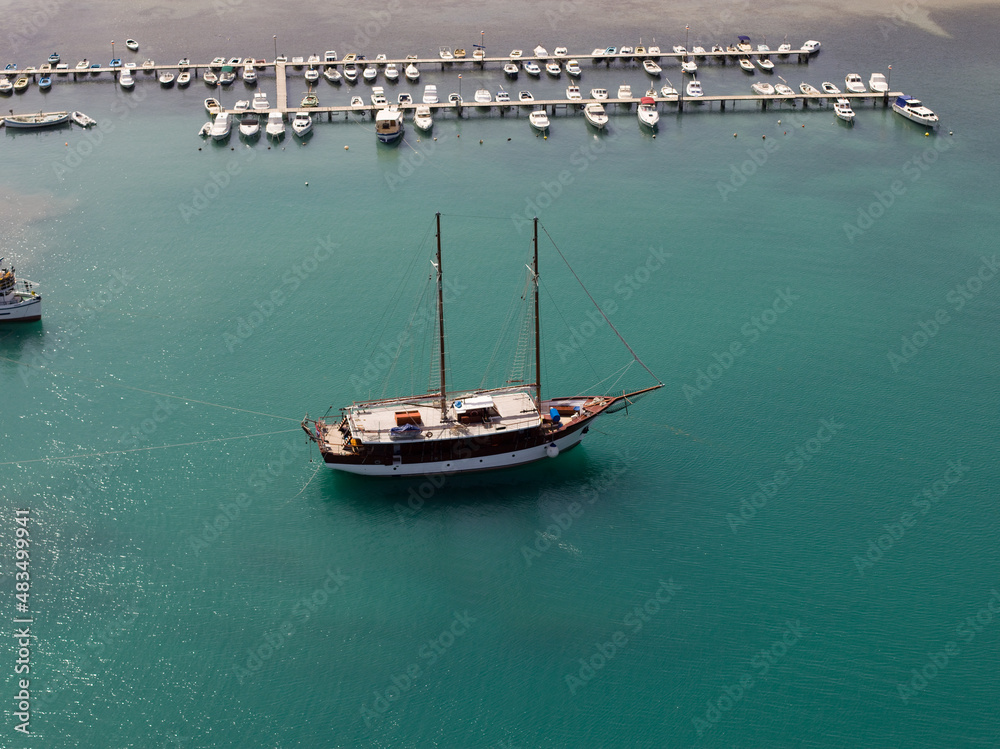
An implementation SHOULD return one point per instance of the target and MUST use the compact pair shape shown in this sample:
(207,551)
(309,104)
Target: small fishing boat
(503,97)
(20,83)
(808,90)
(147,65)
(221,126)
(765,64)
(132,44)
(624,91)
(330,56)
(746,64)
(6,86)
(241,105)
(260,102)
(351,57)
(878,84)
(62,68)
(226,77)
(370,74)
(784,48)
(378,97)
(313,59)
(689,67)
(854,83)
(84,64)
(525,97)
(33,121)
(250,126)
(389,125)
(455,99)
(510,69)
(762,89)
(358,103)
(652,68)
(312,75)
(811,46)
(654,53)
(333,75)
(430,94)
(459,53)
(298,62)
(483,96)
(680,49)
(531,68)
(184,63)
(115,63)
(553,69)
(412,73)
(210,78)
(693,89)
(391,72)
(302,124)
(829,88)
(573,92)
(95,68)
(183,79)
(595,115)
(44,83)
(166,78)
(422,119)
(310,100)
(599,93)
(573,69)
(19,302)
(54,58)
(783,89)
(125,79)
(912,109)
(541,53)
(275,127)
(445,53)
(626,53)
(206,129)
(515,54)
(647,113)
(842,108)
(669,92)
(698,51)
(404,99)
(597,55)
(351,72)
(212,106)
(249,73)
(539,120)
(217,63)
(560,52)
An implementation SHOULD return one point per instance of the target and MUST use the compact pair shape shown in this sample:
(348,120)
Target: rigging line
(306,484)
(634,355)
(399,343)
(140,449)
(597,384)
(469,215)
(568,328)
(150,392)
(512,308)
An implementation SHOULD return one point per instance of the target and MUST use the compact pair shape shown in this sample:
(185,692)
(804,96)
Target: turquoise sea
(793,543)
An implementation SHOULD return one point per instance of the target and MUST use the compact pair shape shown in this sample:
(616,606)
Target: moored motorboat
(83,65)
(693,89)
(260,102)
(210,78)
(669,92)
(389,124)
(19,302)
(647,113)
(808,89)
(358,103)
(31,121)
(573,69)
(510,69)
(430,94)
(746,64)
(312,75)
(912,109)
(445,53)
(483,96)
(332,74)
(125,79)
(378,97)
(560,52)
(54,58)
(370,73)
(249,73)
(541,53)
(250,126)
(811,46)
(81,119)
(878,84)
(166,78)
(183,79)
(539,120)
(302,124)
(842,108)
(503,97)
(422,119)
(829,88)
(531,68)
(20,83)
(595,115)
(854,83)
(350,72)
(762,89)
(525,97)
(132,44)
(310,100)
(553,69)
(212,106)
(391,72)
(6,86)
(221,126)
(624,91)
(765,64)
(651,67)
(573,92)
(242,105)
(44,83)
(412,72)
(783,89)
(689,67)
(599,93)
(275,127)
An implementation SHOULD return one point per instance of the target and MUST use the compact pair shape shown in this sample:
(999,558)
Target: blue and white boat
(913,109)
(389,124)
(18,302)
(44,83)
(54,58)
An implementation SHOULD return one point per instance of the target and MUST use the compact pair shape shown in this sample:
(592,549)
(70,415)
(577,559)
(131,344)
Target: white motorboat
(445,53)
(854,83)
(358,103)
(483,96)
(624,91)
(226,77)
(698,51)
(302,124)
(241,105)
(680,49)
(19,302)
(762,89)
(693,88)
(654,53)
(595,114)
(842,108)
(746,64)
(626,53)
(651,67)
(784,48)
(132,44)
(669,92)
(298,62)
(166,78)
(6,86)
(541,53)
(83,65)
(422,119)
(573,92)
(539,120)
(455,99)
(210,78)
(330,56)
(808,89)
(599,93)
(389,125)
(221,126)
(531,68)
(811,46)
(183,79)
(250,126)
(503,97)
(689,67)
(370,74)
(913,109)
(412,73)
(378,97)
(249,73)
(763,48)
(333,75)
(404,99)
(430,94)
(217,63)
(648,115)
(350,72)
(553,69)
(312,75)
(125,79)
(81,119)
(515,54)
(380,60)
(765,64)
(829,88)
(510,69)
(878,84)
(573,69)
(391,72)
(597,55)
(212,106)
(783,90)
(560,52)
(260,102)
(525,97)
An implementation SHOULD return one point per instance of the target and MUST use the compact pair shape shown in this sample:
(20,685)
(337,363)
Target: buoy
(459,135)
(552,449)
(926,134)
(435,137)
(508,140)
(480,141)
(66,144)
(734,135)
(779,122)
(545,137)
(345,148)
(307,184)
(949,133)
(763,137)
(654,136)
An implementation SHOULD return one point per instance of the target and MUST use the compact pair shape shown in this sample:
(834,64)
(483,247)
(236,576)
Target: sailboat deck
(514,411)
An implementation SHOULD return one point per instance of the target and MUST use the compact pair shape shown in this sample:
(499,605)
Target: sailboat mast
(538,336)
(440,285)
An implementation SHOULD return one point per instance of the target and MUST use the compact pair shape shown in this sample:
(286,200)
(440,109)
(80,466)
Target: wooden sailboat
(446,432)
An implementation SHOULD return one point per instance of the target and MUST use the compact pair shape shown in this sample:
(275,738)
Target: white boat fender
(552,449)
